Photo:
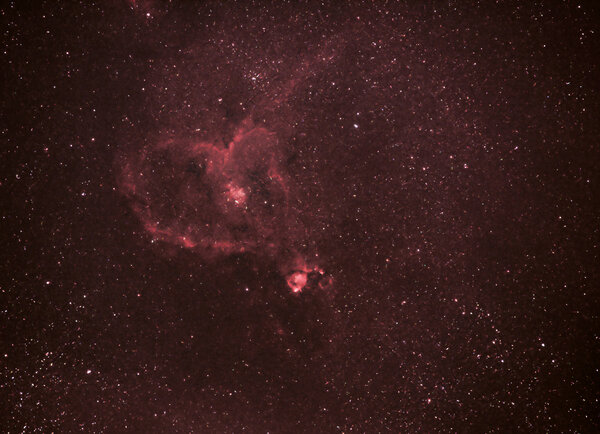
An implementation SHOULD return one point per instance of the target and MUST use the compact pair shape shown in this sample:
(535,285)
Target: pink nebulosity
(302,274)
(215,200)
(297,281)
(218,199)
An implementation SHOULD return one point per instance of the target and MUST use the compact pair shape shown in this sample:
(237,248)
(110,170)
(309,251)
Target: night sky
(299,217)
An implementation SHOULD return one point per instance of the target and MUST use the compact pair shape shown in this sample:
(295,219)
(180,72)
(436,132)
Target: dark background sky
(443,159)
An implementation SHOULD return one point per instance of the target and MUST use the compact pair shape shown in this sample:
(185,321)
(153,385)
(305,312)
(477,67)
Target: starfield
(299,217)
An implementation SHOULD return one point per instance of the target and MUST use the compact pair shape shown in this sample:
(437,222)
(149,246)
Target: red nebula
(213,199)
(218,199)
(297,280)
(303,274)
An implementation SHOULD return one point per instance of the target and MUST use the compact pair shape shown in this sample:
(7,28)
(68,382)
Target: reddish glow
(297,281)
(306,274)
(186,242)
(213,199)
(235,194)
